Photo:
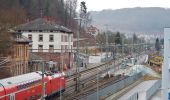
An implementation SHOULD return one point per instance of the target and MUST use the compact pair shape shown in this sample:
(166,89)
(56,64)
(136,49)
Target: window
(62,40)
(66,48)
(71,38)
(51,38)
(51,48)
(40,38)
(40,48)
(30,48)
(66,39)
(71,48)
(30,36)
(62,47)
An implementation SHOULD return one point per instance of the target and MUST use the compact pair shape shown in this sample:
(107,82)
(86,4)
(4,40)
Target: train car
(29,86)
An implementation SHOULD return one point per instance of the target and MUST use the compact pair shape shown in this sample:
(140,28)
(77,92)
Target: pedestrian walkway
(157,96)
(140,89)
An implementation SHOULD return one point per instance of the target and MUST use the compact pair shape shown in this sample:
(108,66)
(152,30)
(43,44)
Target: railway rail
(87,79)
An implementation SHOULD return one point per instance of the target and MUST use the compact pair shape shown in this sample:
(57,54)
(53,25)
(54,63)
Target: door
(11,96)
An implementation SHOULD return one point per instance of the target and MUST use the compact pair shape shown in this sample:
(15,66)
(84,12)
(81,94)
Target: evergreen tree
(118,38)
(135,38)
(157,45)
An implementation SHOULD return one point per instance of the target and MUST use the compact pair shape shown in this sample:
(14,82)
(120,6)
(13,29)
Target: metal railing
(3,60)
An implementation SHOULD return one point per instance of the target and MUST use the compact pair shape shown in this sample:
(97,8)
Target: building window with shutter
(30,36)
(40,38)
(62,40)
(40,48)
(66,48)
(51,48)
(71,38)
(66,39)
(51,38)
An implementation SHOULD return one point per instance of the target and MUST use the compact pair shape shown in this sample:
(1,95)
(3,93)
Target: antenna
(41,8)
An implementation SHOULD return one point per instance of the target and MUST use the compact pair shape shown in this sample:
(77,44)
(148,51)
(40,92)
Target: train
(29,86)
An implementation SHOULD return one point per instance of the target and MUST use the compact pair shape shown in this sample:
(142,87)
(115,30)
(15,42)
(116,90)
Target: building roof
(92,29)
(42,24)
(21,78)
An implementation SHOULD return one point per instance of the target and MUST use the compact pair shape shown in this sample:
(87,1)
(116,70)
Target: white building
(47,36)
(166,66)
(92,30)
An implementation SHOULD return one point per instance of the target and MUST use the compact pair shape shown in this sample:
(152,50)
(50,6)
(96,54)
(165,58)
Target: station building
(50,42)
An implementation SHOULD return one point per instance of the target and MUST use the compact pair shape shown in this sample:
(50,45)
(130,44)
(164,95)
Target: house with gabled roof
(46,36)
(50,41)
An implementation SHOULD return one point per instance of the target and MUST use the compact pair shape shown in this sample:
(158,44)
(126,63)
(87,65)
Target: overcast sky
(97,5)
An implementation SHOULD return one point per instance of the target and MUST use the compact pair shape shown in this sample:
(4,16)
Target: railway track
(90,87)
(93,68)
(86,74)
(87,79)
(87,82)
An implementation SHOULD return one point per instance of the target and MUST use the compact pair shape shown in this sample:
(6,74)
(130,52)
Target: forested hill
(148,20)
(62,10)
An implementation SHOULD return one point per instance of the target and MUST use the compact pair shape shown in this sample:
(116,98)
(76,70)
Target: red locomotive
(28,86)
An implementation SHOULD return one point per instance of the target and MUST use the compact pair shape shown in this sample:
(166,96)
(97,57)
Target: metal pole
(114,57)
(106,46)
(78,65)
(122,46)
(97,84)
(132,46)
(43,85)
(101,50)
(62,60)
(60,90)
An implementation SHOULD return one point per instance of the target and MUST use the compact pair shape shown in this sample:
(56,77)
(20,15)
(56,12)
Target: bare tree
(9,19)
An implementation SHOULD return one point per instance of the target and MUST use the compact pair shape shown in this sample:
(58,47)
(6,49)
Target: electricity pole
(83,11)
(106,34)
(43,83)
(77,57)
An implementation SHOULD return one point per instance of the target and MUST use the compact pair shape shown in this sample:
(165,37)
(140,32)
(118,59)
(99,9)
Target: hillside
(147,20)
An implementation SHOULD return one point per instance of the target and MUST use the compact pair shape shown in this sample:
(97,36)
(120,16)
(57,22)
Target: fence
(112,88)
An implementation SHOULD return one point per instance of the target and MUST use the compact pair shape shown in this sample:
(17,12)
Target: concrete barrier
(111,88)
(133,97)
(153,89)
(148,93)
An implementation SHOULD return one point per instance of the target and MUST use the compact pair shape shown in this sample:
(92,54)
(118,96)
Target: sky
(97,5)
